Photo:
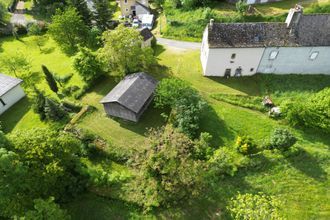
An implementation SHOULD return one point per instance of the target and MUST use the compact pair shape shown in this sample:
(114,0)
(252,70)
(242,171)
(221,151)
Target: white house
(10,92)
(251,2)
(300,45)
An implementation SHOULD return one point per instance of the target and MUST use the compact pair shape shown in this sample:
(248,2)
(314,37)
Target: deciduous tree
(68,29)
(122,52)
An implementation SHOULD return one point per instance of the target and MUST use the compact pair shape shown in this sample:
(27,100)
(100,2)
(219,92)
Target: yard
(300,180)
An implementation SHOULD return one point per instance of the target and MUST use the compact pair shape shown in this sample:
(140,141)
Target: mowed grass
(21,116)
(122,133)
(300,180)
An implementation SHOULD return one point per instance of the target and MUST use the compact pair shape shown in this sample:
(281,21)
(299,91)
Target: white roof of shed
(7,83)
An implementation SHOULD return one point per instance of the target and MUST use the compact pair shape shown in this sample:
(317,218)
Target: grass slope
(21,115)
(300,180)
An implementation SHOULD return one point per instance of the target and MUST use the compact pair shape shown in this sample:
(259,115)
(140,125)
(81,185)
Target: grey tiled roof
(258,34)
(313,30)
(146,34)
(133,91)
(7,83)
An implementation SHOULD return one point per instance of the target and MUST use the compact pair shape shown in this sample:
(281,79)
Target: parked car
(136,23)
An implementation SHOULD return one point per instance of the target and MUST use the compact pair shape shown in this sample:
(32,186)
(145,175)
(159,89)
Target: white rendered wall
(11,97)
(296,60)
(218,60)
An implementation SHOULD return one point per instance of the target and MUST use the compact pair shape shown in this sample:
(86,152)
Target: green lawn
(300,180)
(21,115)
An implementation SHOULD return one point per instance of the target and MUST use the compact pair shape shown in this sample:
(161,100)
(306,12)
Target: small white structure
(10,92)
(147,21)
(300,45)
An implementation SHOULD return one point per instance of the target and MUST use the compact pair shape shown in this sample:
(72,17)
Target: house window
(233,55)
(273,55)
(2,102)
(125,1)
(313,55)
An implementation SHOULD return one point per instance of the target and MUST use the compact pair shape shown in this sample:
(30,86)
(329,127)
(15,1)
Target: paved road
(179,44)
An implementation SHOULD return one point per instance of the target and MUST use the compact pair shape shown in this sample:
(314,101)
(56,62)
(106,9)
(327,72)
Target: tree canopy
(122,52)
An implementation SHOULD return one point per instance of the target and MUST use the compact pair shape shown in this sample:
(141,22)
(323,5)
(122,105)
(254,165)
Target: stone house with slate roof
(300,45)
(130,97)
(10,92)
(134,7)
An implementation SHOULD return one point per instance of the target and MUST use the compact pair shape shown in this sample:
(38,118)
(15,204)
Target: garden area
(206,147)
(299,178)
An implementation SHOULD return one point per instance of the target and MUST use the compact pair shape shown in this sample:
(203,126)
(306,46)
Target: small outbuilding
(10,92)
(130,97)
(147,37)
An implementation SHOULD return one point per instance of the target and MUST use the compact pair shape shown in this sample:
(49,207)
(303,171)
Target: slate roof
(7,83)
(257,34)
(133,91)
(311,30)
(146,34)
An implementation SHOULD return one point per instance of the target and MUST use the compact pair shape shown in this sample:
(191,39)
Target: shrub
(256,207)
(70,106)
(282,139)
(223,162)
(312,113)
(202,146)
(70,89)
(185,102)
(53,111)
(245,145)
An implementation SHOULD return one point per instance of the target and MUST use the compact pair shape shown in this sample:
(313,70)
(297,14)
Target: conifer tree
(102,14)
(53,111)
(83,10)
(39,104)
(50,79)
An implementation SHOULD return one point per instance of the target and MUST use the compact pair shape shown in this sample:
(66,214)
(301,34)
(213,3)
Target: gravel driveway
(179,44)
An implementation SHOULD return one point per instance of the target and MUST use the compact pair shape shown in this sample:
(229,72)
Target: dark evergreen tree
(103,14)
(53,111)
(83,11)
(39,104)
(50,79)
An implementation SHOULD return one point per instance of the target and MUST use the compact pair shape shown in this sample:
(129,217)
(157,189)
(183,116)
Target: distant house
(10,92)
(130,97)
(300,45)
(134,7)
(251,2)
(147,37)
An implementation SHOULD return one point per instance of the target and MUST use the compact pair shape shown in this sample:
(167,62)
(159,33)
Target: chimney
(294,16)
(211,22)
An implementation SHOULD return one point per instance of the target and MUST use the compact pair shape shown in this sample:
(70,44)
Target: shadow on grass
(151,118)
(12,116)
(308,165)
(263,84)
(211,123)
(90,206)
